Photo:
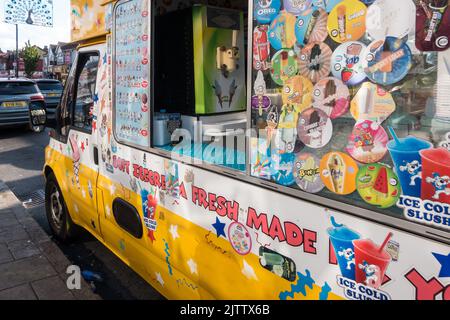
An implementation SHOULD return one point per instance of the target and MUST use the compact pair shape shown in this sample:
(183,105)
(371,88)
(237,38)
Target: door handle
(96,156)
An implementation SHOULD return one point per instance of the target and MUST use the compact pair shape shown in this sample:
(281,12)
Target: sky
(40,36)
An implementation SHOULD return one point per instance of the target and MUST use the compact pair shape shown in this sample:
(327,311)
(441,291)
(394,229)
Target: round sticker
(314,61)
(297,7)
(266,10)
(282,166)
(311,26)
(314,128)
(390,18)
(372,102)
(387,61)
(338,172)
(307,173)
(261,47)
(286,134)
(332,96)
(378,185)
(284,66)
(261,102)
(347,63)
(239,238)
(367,142)
(282,31)
(432,26)
(347,21)
(297,91)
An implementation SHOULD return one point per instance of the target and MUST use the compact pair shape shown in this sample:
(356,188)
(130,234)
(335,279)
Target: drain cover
(33,199)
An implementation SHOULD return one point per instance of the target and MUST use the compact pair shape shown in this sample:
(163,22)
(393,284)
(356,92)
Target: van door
(81,167)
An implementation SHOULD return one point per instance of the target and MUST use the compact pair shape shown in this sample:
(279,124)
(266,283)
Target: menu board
(132,72)
(344,99)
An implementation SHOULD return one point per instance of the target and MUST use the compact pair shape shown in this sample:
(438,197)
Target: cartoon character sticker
(432,25)
(367,142)
(311,26)
(281,31)
(314,128)
(332,96)
(372,102)
(338,172)
(347,63)
(347,21)
(314,61)
(378,185)
(307,173)
(284,66)
(240,238)
(435,174)
(297,91)
(387,61)
(261,47)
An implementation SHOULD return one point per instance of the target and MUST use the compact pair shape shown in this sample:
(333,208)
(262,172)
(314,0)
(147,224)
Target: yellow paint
(219,268)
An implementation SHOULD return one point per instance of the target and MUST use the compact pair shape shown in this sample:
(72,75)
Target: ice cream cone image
(336,167)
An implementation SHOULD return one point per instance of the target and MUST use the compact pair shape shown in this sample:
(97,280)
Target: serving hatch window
(131,70)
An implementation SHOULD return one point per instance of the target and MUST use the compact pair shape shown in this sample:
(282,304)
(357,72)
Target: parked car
(16,97)
(51,89)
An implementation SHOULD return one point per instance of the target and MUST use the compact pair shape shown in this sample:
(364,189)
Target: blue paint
(444,260)
(300,287)
(326,289)
(166,250)
(219,226)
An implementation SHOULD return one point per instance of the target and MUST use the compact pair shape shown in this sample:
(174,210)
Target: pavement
(32,267)
(21,163)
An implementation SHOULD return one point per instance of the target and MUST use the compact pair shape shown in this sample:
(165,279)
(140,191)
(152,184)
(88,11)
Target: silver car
(16,97)
(52,90)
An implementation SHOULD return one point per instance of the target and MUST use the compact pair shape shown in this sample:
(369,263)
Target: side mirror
(38,117)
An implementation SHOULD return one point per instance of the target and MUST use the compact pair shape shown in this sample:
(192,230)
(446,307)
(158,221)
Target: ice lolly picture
(433,25)
(341,23)
(347,21)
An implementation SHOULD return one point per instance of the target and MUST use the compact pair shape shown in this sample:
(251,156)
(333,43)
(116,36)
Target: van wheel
(58,216)
(36,129)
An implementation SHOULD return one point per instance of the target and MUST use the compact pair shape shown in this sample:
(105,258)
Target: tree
(30,55)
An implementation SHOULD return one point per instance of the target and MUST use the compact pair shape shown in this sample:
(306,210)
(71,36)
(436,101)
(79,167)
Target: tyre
(58,216)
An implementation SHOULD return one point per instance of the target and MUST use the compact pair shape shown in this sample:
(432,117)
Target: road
(21,162)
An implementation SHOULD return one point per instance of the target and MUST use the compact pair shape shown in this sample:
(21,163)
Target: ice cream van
(270,149)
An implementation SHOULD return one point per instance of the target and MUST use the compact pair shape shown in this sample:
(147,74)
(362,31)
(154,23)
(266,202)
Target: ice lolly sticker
(261,47)
(378,185)
(347,63)
(347,21)
(314,128)
(367,142)
(338,172)
(391,18)
(286,134)
(387,61)
(341,238)
(297,91)
(282,166)
(266,10)
(240,238)
(284,66)
(307,173)
(282,31)
(332,96)
(432,25)
(311,26)
(314,61)
(373,103)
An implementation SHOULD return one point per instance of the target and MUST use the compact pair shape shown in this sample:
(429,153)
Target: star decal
(112,189)
(159,278)
(108,211)
(248,271)
(444,260)
(104,58)
(75,207)
(174,231)
(94,125)
(83,193)
(82,146)
(192,265)
(95,97)
(219,226)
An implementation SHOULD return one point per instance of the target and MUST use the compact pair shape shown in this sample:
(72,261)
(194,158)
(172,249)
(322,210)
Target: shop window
(347,107)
